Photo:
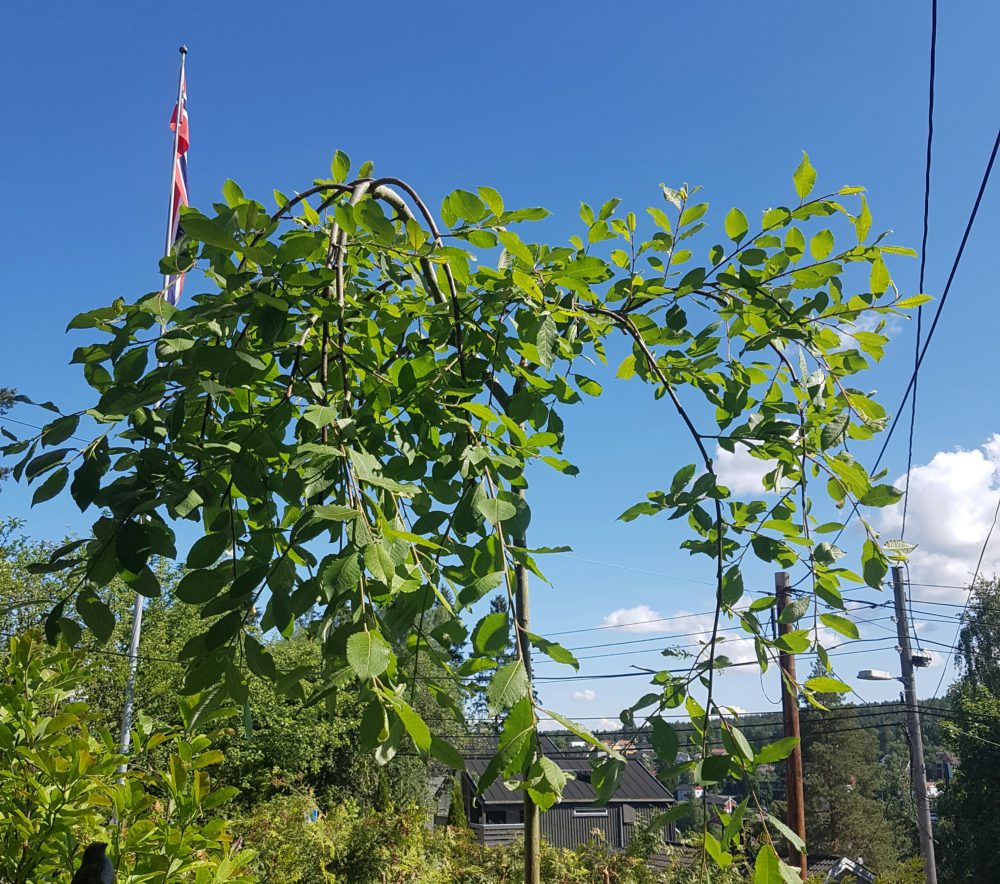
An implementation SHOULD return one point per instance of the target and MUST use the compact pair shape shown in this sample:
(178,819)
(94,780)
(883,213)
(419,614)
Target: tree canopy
(350,413)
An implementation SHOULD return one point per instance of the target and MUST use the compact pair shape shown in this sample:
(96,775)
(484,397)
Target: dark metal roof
(637,784)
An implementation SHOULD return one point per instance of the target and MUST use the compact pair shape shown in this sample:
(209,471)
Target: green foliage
(456,808)
(970,807)
(845,788)
(59,784)
(350,414)
(54,769)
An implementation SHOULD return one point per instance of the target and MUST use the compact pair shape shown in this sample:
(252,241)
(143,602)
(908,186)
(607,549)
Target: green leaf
(492,199)
(368,654)
(546,341)
(512,243)
(379,560)
(554,651)
(96,614)
(491,635)
(474,591)
(132,546)
(823,684)
(415,726)
(55,483)
(874,565)
(494,510)
(835,430)
(340,573)
(776,751)
(340,166)
(821,244)
(882,495)
(334,513)
(912,301)
(863,223)
(804,177)
(736,225)
(232,192)
(693,213)
(509,684)
(664,741)
(582,732)
(841,624)
(879,279)
(795,610)
(766,868)
(61,429)
(206,550)
(713,769)
(197,587)
(444,752)
(545,782)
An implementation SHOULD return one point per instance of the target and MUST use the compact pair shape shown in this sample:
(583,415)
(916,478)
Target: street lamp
(877,675)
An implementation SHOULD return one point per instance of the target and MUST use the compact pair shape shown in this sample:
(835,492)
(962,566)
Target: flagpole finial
(183,50)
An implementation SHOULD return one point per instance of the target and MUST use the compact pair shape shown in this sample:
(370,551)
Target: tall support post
(790,716)
(532,817)
(915,734)
(128,706)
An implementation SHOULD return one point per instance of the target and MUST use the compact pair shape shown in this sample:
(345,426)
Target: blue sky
(551,103)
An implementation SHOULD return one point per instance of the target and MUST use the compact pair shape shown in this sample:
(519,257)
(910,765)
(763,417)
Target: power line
(972,589)
(933,328)
(923,258)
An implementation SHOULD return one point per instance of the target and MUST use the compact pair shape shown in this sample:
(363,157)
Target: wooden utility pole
(532,819)
(914,733)
(790,715)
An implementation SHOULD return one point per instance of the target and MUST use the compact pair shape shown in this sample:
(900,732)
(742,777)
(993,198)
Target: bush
(59,784)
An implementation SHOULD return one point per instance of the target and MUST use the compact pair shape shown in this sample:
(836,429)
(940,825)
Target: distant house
(724,803)
(497,816)
(841,870)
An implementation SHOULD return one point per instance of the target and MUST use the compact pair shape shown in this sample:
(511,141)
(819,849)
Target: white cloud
(638,619)
(740,471)
(735,710)
(952,502)
(587,695)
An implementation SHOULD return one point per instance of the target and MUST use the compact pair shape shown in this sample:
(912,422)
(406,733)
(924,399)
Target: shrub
(60,788)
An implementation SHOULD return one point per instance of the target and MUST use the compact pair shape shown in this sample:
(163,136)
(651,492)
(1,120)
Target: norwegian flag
(179,194)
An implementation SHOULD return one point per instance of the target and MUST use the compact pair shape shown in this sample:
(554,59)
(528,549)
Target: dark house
(497,816)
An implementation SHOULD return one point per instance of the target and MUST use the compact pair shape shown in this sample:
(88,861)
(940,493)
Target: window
(590,811)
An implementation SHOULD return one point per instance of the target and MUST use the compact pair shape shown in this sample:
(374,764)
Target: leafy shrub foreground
(60,787)
(295,844)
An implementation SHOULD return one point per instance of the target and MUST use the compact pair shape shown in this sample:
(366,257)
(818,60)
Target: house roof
(637,783)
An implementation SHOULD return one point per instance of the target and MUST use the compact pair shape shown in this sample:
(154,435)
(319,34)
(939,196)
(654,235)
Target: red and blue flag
(179,196)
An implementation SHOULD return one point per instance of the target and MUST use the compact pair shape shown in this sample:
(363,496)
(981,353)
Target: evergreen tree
(845,788)
(969,828)
(456,810)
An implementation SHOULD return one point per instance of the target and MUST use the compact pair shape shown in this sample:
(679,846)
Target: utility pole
(532,819)
(916,738)
(790,714)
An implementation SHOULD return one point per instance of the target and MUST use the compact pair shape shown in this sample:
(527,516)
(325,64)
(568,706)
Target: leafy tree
(7,399)
(845,788)
(350,418)
(970,807)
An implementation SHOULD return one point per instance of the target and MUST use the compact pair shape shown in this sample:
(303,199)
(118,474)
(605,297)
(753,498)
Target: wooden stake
(790,714)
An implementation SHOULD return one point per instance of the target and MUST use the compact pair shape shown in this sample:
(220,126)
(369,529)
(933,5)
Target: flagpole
(125,732)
